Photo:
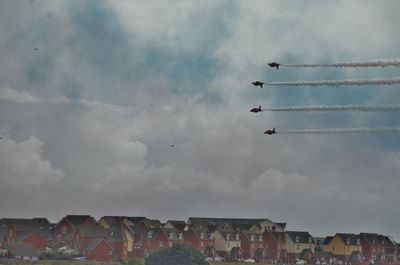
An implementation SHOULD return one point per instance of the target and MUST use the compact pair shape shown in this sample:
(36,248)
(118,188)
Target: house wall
(37,241)
(102,252)
(158,242)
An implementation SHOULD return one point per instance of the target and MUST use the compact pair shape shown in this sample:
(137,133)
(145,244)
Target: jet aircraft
(269,132)
(258,83)
(255,110)
(276,65)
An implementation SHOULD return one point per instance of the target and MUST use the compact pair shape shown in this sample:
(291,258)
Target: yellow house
(297,242)
(343,245)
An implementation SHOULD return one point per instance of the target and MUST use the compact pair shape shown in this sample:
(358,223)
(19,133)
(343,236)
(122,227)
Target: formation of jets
(260,84)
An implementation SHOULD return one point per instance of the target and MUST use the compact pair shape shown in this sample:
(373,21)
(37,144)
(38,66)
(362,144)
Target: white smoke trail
(371,63)
(342,130)
(361,82)
(338,108)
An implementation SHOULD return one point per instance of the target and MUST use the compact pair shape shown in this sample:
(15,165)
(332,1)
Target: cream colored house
(297,242)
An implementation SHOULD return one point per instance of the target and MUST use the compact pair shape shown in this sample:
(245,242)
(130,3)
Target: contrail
(371,63)
(342,130)
(361,82)
(338,108)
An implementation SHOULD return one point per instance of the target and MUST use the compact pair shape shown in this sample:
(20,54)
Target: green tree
(176,255)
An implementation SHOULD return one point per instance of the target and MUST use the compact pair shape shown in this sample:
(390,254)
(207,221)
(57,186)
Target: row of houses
(116,237)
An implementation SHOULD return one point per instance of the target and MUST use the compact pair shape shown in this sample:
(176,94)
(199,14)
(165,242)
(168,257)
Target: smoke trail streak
(361,82)
(341,130)
(338,108)
(371,63)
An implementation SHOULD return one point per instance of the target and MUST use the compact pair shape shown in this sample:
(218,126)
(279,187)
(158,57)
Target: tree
(176,255)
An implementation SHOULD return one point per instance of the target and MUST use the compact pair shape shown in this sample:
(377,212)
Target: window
(297,247)
(161,244)
(64,230)
(297,239)
(333,248)
(110,252)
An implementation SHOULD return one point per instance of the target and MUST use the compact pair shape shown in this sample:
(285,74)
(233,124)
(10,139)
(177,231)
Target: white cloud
(22,164)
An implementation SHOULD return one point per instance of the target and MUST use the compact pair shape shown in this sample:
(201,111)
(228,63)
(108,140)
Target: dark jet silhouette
(255,110)
(269,132)
(172,145)
(273,64)
(258,83)
(36,49)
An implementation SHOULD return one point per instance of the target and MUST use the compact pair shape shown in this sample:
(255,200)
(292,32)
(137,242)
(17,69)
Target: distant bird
(36,49)
(172,145)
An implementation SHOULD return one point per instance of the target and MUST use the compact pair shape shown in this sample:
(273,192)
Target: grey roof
(327,240)
(21,224)
(349,239)
(303,237)
(135,219)
(220,221)
(21,250)
(149,223)
(202,232)
(94,231)
(179,225)
(278,236)
(93,243)
(76,220)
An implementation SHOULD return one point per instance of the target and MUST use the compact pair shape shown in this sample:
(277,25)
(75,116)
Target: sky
(141,108)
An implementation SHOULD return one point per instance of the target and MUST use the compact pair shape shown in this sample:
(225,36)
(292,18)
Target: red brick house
(159,238)
(202,240)
(98,250)
(252,245)
(67,225)
(378,248)
(274,242)
(26,231)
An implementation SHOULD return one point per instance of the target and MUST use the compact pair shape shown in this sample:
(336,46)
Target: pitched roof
(91,245)
(179,225)
(300,236)
(76,220)
(349,239)
(278,236)
(135,219)
(149,223)
(94,231)
(21,225)
(327,240)
(202,233)
(21,250)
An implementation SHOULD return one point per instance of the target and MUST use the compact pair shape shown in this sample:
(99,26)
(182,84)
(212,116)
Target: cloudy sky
(93,93)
